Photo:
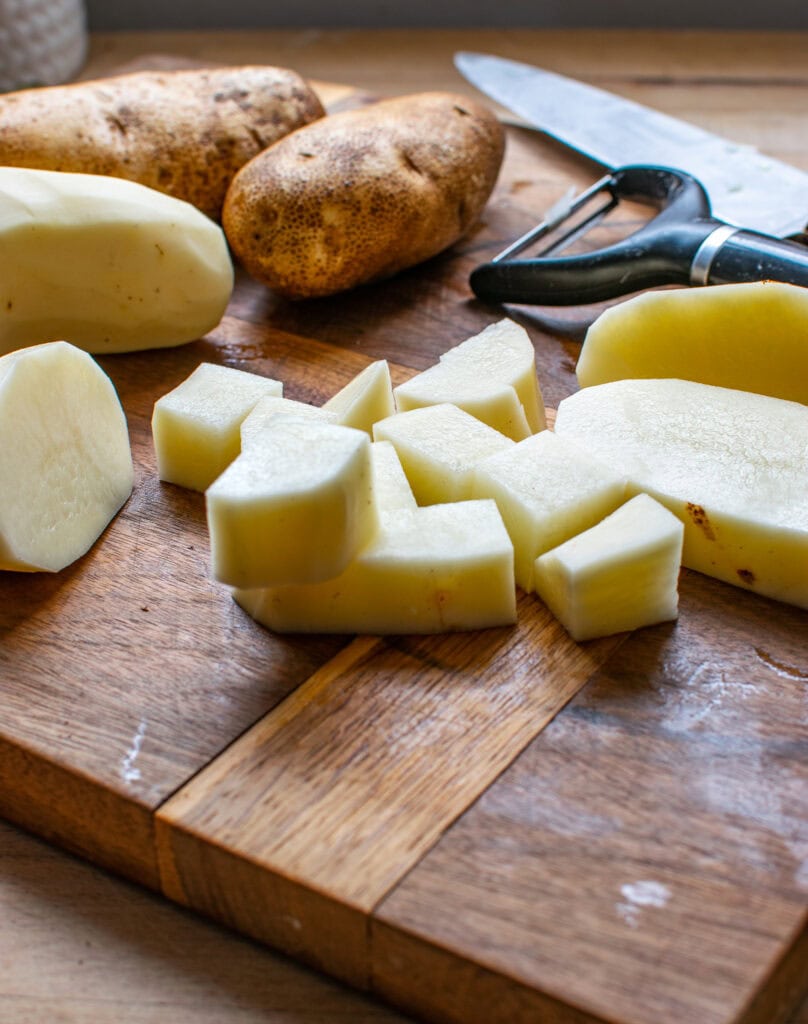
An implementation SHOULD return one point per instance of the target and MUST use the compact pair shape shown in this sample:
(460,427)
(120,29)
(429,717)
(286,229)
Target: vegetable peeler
(682,244)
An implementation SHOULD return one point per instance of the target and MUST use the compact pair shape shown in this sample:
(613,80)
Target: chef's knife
(746,190)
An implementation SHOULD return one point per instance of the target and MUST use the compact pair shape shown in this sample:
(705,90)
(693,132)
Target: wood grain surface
(417,816)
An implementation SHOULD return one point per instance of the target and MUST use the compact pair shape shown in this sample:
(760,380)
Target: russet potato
(184,132)
(362,194)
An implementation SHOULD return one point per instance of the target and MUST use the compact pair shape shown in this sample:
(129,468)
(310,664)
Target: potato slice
(108,265)
(196,427)
(390,484)
(731,465)
(491,376)
(294,508)
(428,570)
(547,490)
(365,399)
(65,462)
(620,574)
(439,446)
(750,337)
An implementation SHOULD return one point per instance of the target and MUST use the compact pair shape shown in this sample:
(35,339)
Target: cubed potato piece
(439,446)
(429,570)
(620,574)
(547,490)
(65,462)
(195,427)
(365,399)
(731,465)
(491,376)
(295,508)
(272,406)
(390,484)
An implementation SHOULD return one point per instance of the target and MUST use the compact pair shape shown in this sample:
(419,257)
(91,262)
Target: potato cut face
(65,461)
(294,508)
(491,376)
(270,407)
(429,570)
(731,465)
(107,264)
(365,399)
(547,490)
(750,337)
(439,447)
(618,575)
(196,427)
(390,484)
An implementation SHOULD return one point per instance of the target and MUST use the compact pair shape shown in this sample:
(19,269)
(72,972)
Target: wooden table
(77,944)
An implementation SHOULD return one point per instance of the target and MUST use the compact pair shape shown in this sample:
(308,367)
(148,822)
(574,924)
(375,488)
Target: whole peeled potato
(185,133)
(362,194)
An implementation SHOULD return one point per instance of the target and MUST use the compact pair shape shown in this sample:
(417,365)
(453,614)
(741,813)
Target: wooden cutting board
(501,826)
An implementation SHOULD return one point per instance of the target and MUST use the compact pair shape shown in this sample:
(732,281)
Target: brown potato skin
(363,194)
(185,133)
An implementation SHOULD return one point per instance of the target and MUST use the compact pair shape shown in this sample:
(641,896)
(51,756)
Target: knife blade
(745,187)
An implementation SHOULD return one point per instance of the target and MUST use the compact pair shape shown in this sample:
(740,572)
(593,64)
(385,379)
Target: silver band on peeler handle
(707,251)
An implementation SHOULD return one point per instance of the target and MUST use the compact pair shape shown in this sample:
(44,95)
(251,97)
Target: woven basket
(42,42)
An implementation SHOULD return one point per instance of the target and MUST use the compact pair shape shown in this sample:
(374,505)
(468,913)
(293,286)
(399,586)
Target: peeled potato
(106,264)
(749,336)
(65,462)
(363,194)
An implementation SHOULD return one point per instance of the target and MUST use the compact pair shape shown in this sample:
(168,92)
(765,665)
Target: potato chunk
(294,507)
(750,337)
(365,399)
(445,567)
(618,575)
(196,427)
(390,483)
(268,408)
(439,446)
(731,465)
(491,376)
(547,490)
(65,462)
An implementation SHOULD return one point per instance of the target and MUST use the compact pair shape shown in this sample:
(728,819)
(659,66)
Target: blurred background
(106,15)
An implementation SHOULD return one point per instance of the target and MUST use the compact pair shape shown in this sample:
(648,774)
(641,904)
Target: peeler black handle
(683,244)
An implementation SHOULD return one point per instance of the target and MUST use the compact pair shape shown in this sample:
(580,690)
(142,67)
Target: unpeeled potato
(362,194)
(185,133)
